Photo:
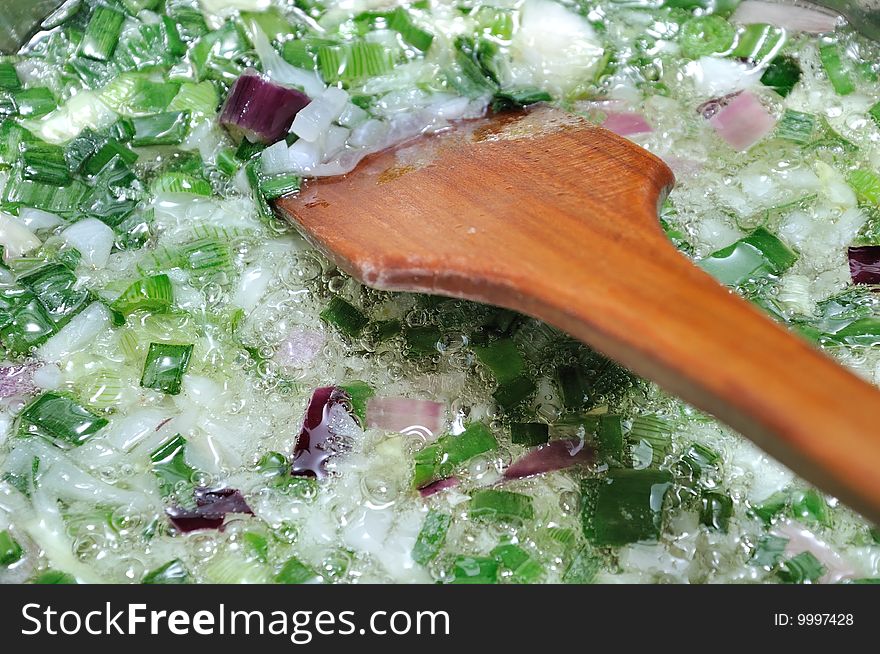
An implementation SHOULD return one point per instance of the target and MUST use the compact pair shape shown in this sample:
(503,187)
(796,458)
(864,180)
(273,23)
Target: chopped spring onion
(574,386)
(625,506)
(759,43)
(95,163)
(699,460)
(9,80)
(401,21)
(42,162)
(529,433)
(134,94)
(511,393)
(431,537)
(56,288)
(199,99)
(295,571)
(275,186)
(172,572)
(170,466)
(796,126)
(422,340)
(829,55)
(759,255)
(705,35)
(102,33)
(60,419)
(180,182)
(168,128)
(782,74)
(359,393)
(866,184)
(353,62)
(716,509)
(502,358)
(165,366)
(474,570)
(523,568)
(54,577)
(801,569)
(655,433)
(260,109)
(509,99)
(34,102)
(344,316)
(10,550)
(609,437)
(439,460)
(874,113)
(152,293)
(583,567)
(810,506)
(768,552)
(501,505)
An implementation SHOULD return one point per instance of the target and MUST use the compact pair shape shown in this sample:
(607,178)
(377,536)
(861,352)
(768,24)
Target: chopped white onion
(15,238)
(334,140)
(791,17)
(275,159)
(300,348)
(47,377)
(714,76)
(35,219)
(352,116)
(93,239)
(369,133)
(312,121)
(77,334)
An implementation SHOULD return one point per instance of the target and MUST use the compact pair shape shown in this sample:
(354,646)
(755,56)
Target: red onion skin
(436,486)
(212,505)
(743,121)
(405,415)
(261,109)
(864,264)
(555,455)
(626,124)
(17,380)
(316,442)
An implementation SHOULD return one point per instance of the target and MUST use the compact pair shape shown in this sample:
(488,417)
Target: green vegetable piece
(832,63)
(170,466)
(359,393)
(501,505)
(276,186)
(55,287)
(609,436)
(102,33)
(345,317)
(772,506)
(200,99)
(60,419)
(655,432)
(401,21)
(168,128)
(105,154)
(439,460)
(874,113)
(257,544)
(165,366)
(705,35)
(866,184)
(431,537)
(295,571)
(54,577)
(474,570)
(768,552)
(353,62)
(810,506)
(757,256)
(524,569)
(625,506)
(45,163)
(9,80)
(153,293)
(700,458)
(273,464)
(172,572)
(529,433)
(759,42)
(10,550)
(509,394)
(422,340)
(716,510)
(29,326)
(502,358)
(574,386)
(33,102)
(509,99)
(583,567)
(782,75)
(796,126)
(801,569)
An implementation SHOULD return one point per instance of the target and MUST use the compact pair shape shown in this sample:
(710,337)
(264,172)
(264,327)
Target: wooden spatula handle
(698,340)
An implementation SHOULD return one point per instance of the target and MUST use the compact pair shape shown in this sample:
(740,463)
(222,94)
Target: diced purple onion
(260,108)
(626,124)
(406,416)
(300,348)
(212,505)
(323,434)
(17,380)
(793,18)
(555,455)
(864,264)
(437,486)
(742,121)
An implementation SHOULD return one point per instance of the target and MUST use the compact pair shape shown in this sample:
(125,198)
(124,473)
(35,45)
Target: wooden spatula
(546,214)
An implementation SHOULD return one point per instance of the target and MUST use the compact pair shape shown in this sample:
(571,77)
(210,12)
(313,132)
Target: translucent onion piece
(790,17)
(743,121)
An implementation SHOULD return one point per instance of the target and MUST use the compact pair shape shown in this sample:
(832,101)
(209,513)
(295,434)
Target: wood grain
(551,216)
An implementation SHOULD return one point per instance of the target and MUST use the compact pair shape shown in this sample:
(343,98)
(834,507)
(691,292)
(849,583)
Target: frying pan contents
(191,393)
